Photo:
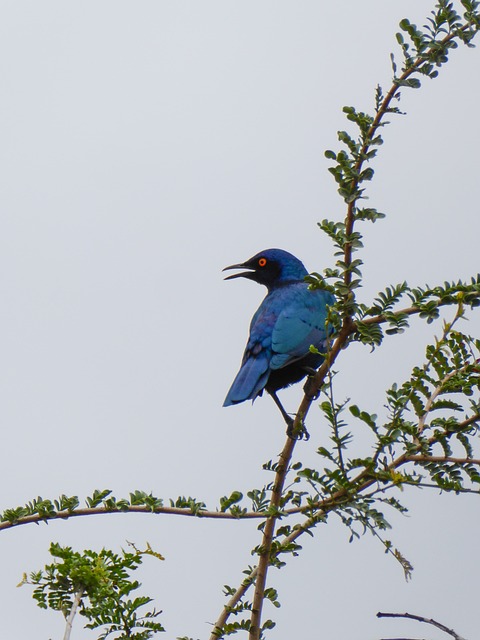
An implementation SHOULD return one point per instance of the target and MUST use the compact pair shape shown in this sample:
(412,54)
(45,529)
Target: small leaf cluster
(44,508)
(101,582)
(425,302)
(230,504)
(347,170)
(468,294)
(424,50)
(103,498)
(242,611)
(194,505)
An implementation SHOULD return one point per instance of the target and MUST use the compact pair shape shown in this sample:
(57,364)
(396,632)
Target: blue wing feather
(299,325)
(288,321)
(250,380)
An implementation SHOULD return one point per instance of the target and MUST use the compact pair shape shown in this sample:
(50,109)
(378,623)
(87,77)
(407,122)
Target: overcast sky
(145,146)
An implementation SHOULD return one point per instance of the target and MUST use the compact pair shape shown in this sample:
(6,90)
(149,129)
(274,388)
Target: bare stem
(412,616)
(73,611)
(443,459)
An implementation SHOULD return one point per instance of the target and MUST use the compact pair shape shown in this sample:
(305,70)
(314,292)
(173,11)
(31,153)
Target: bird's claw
(301,432)
(298,434)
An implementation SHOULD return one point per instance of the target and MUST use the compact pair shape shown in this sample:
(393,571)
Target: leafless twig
(412,616)
(76,603)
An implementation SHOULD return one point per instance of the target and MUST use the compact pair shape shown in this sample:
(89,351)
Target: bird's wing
(300,324)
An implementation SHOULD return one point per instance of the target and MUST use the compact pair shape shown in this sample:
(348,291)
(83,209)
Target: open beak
(243,274)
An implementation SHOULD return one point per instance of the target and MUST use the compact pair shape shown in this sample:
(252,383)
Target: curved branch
(431,621)
(91,511)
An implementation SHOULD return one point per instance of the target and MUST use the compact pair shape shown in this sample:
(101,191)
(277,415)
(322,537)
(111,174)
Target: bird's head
(272,267)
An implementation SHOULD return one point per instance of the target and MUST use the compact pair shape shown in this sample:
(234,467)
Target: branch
(268,533)
(234,600)
(443,459)
(248,515)
(411,616)
(259,573)
(365,480)
(434,395)
(408,311)
(90,511)
(358,485)
(73,611)
(315,383)
(383,109)
(348,325)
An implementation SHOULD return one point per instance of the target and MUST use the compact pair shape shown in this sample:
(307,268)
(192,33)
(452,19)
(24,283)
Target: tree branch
(65,515)
(73,611)
(434,623)
(366,478)
(268,533)
(348,325)
(358,485)
(407,311)
(443,459)
(234,600)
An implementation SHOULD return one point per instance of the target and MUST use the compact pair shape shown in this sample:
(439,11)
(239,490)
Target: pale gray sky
(144,146)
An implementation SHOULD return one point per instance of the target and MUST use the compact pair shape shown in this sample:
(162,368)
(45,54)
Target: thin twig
(448,326)
(443,459)
(402,638)
(73,611)
(412,616)
(336,430)
(234,600)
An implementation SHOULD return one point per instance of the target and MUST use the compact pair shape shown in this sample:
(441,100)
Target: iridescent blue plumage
(290,319)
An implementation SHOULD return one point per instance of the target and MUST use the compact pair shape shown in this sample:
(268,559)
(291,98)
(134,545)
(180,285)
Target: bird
(290,320)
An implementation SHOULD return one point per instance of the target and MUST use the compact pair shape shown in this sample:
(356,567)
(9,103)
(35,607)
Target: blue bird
(290,319)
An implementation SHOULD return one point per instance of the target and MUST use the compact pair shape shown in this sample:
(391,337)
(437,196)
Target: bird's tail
(249,382)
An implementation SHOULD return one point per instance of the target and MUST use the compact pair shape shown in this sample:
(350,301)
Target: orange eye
(262,262)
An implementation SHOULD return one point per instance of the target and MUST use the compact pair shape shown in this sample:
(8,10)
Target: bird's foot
(298,434)
(309,389)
